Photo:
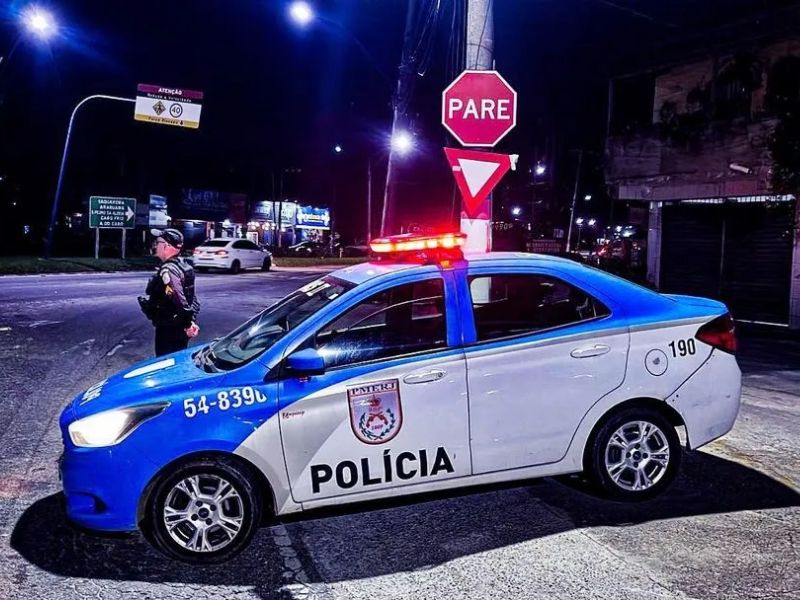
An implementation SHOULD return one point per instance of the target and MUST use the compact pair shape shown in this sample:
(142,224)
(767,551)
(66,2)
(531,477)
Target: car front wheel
(635,455)
(206,511)
(266,265)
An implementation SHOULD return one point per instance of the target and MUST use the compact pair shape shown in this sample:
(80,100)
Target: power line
(638,14)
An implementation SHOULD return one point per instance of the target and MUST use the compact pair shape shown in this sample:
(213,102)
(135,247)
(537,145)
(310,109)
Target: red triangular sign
(476,174)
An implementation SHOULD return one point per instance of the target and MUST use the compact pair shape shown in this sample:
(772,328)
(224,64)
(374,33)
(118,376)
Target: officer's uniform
(171,305)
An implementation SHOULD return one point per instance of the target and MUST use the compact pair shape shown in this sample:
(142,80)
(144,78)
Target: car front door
(257,254)
(390,410)
(543,351)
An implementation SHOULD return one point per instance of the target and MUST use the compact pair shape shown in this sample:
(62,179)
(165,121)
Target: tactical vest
(165,308)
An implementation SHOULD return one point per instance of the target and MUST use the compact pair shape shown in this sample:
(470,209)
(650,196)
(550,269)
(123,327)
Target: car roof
(223,239)
(368,270)
(625,290)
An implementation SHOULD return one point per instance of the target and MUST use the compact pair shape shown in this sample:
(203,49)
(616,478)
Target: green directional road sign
(112,213)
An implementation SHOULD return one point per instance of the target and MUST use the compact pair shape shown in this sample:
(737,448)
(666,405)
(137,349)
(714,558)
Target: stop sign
(479,108)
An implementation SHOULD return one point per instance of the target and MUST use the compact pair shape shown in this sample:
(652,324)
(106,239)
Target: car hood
(171,378)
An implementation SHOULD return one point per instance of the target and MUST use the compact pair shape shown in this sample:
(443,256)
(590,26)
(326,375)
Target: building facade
(693,147)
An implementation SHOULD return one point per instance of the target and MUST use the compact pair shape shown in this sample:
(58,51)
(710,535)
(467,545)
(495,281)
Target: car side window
(506,305)
(401,320)
(248,245)
(241,245)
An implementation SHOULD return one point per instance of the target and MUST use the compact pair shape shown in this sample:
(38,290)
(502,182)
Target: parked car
(355,251)
(481,369)
(232,254)
(308,248)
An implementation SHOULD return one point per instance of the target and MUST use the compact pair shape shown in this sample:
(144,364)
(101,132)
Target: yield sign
(476,175)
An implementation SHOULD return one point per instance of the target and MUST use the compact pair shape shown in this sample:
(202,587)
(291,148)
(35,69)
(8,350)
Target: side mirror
(304,363)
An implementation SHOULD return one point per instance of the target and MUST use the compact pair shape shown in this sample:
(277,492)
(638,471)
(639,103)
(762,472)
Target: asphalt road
(728,528)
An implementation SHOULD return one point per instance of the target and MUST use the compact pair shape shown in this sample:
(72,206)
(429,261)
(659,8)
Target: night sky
(277,97)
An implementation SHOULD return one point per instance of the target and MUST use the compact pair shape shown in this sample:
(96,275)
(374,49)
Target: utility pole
(574,199)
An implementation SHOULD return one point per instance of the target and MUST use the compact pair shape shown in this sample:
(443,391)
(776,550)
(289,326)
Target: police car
(418,371)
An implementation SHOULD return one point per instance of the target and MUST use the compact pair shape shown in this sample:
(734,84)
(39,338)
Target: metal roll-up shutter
(691,249)
(737,252)
(757,265)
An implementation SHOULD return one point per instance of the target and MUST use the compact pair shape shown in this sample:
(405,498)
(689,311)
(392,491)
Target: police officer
(171,303)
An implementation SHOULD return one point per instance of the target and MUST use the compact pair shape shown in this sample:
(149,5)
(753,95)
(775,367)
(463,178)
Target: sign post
(478,108)
(168,106)
(108,212)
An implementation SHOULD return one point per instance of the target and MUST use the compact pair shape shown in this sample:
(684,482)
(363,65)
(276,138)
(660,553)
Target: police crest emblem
(376,414)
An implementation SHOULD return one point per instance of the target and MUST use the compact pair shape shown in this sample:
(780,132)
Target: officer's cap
(172,236)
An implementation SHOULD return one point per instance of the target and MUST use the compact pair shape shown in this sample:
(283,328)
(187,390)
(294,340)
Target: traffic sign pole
(478,108)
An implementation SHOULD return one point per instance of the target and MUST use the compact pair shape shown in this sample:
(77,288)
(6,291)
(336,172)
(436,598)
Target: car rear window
(215,243)
(506,305)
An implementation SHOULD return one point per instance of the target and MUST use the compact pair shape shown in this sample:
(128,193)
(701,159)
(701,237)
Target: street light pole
(49,244)
(369,200)
(574,198)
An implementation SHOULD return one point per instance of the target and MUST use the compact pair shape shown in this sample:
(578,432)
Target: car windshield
(216,243)
(259,333)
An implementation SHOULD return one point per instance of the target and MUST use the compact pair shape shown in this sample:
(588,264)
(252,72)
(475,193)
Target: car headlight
(111,426)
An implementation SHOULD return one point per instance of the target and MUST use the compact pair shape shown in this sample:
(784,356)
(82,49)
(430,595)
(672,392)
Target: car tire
(201,269)
(634,455)
(266,265)
(235,267)
(185,497)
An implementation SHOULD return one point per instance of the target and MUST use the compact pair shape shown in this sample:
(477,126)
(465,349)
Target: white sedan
(232,254)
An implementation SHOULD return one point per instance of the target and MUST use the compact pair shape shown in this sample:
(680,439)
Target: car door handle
(589,351)
(425,377)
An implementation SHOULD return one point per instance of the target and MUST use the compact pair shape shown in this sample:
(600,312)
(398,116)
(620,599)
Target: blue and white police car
(418,371)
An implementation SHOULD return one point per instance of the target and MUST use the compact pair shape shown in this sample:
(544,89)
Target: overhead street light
(301,13)
(402,142)
(337,148)
(39,22)
(540,169)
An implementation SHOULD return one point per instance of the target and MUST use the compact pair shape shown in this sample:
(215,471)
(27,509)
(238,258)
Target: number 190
(683,347)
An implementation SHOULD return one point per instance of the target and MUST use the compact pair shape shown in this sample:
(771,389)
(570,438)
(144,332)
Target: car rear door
(390,411)
(542,352)
(242,253)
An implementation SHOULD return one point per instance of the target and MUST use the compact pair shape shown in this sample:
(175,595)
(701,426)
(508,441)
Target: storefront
(297,223)
(204,214)
(313,223)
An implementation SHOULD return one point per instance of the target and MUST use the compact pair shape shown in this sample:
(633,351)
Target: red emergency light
(422,248)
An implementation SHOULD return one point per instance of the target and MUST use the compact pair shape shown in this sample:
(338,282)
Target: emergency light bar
(425,248)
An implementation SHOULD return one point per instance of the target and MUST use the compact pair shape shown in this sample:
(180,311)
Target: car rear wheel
(206,511)
(235,267)
(635,455)
(266,265)
(202,269)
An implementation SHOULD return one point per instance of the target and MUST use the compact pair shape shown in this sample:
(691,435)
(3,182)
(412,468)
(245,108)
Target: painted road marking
(117,347)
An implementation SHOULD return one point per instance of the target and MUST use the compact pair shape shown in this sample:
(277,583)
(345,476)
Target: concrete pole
(480,35)
(479,57)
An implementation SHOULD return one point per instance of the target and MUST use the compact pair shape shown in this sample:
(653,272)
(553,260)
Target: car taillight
(719,333)
(221,253)
(195,252)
